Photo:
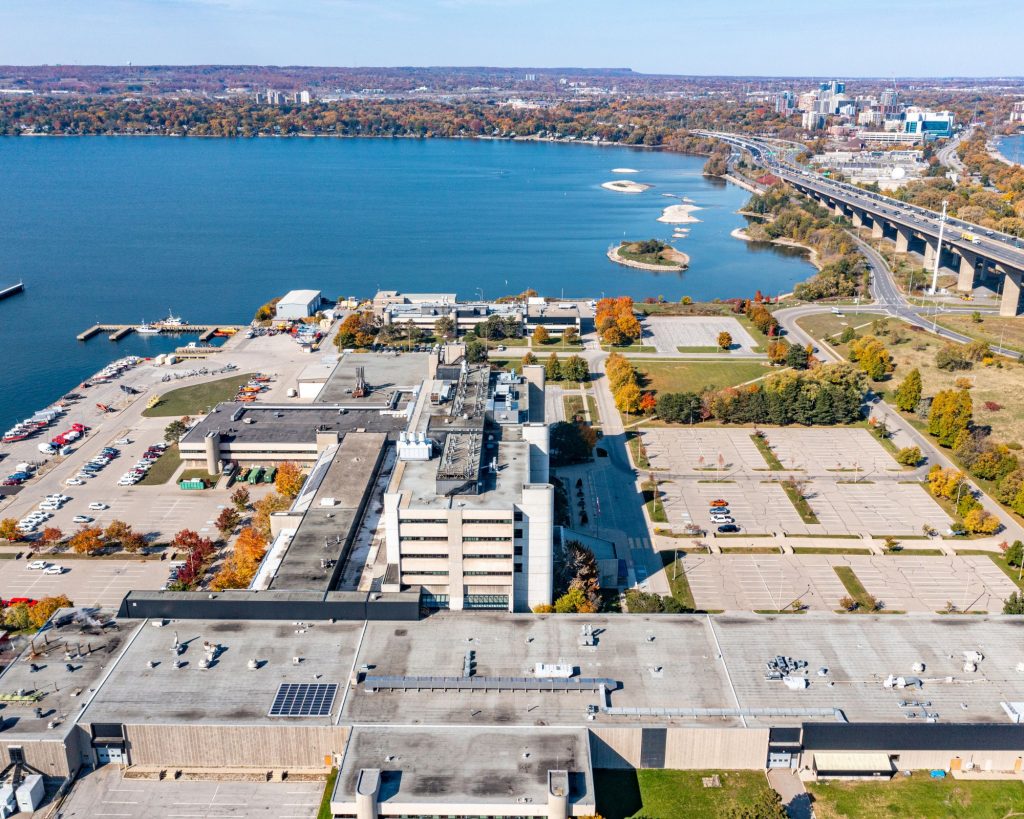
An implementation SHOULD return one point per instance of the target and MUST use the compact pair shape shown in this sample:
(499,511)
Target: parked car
(722,519)
(719,502)
(54,570)
(74,482)
(37,564)
(728,528)
(98,506)
(82,519)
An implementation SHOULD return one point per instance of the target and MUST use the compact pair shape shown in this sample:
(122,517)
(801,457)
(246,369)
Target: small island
(650,254)
(625,186)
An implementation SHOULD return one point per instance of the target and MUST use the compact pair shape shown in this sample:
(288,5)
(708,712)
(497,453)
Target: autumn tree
(240,499)
(777,350)
(908,393)
(950,414)
(648,403)
(540,336)
(265,507)
(528,359)
(227,520)
(51,535)
(570,335)
(43,609)
(87,540)
(17,617)
(627,398)
(553,368)
(117,531)
(9,529)
(289,479)
(357,330)
(724,340)
(629,326)
(613,336)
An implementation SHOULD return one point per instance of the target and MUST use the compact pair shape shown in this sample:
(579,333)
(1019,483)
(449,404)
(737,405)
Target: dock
(12,290)
(116,332)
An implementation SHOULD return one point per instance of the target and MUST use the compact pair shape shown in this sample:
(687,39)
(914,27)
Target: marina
(116,332)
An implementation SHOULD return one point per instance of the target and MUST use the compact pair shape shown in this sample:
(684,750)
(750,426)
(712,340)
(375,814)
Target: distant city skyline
(876,38)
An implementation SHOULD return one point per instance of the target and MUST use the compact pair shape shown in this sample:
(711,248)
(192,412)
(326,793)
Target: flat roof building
(468,515)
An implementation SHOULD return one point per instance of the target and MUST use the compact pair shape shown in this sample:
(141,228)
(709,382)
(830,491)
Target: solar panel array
(304,700)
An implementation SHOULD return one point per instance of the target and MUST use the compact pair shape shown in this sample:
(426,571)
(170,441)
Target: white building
(298,304)
(472,521)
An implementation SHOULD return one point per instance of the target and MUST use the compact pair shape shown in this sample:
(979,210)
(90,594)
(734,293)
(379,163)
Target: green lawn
(325,801)
(799,502)
(692,376)
(699,349)
(653,501)
(766,452)
(677,581)
(918,796)
(164,468)
(660,794)
(206,477)
(197,399)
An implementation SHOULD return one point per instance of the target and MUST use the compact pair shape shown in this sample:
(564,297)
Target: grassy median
(661,794)
(918,796)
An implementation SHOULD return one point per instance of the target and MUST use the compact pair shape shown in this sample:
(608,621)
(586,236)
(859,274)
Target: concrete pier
(116,332)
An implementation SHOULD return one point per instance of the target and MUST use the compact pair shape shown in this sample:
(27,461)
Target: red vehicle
(719,502)
(15,600)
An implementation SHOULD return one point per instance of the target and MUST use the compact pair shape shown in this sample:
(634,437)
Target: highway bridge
(973,252)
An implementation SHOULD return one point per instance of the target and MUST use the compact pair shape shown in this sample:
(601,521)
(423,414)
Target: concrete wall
(944,760)
(51,757)
(685,748)
(234,746)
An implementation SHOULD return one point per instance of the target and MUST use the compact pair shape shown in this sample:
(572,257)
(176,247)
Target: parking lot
(106,793)
(879,499)
(752,582)
(824,451)
(669,333)
(87,581)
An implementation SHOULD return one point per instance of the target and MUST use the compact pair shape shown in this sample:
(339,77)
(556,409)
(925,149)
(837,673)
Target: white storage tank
(30,792)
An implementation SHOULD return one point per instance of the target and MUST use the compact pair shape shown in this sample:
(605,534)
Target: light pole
(938,249)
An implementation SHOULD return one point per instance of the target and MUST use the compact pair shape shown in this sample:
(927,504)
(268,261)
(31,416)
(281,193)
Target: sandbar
(679,214)
(625,186)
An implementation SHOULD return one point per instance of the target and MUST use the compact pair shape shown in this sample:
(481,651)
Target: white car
(98,506)
(123,441)
(37,564)
(50,506)
(82,519)
(54,570)
(719,519)
(127,482)
(74,482)
(58,497)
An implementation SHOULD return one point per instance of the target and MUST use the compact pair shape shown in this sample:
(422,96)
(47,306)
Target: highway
(998,247)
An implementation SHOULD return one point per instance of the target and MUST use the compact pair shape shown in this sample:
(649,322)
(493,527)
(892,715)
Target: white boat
(173,321)
(146,328)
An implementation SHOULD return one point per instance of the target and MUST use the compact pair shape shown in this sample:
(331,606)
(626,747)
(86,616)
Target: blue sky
(816,37)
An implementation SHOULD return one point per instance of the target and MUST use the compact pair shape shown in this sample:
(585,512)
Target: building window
(518,550)
(519,568)
(518,533)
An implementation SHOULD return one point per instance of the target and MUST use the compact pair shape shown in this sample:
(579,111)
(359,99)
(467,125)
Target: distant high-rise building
(1017,114)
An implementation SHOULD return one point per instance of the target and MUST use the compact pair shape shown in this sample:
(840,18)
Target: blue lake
(124,229)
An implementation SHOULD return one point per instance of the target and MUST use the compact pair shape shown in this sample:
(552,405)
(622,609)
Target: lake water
(123,229)
(1012,147)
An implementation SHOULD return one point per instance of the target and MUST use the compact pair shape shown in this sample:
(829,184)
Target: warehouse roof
(302,297)
(228,692)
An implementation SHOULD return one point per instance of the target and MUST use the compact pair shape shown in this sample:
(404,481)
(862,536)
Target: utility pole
(938,249)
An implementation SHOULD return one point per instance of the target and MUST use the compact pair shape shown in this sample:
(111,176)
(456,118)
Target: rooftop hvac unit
(795,683)
(414,447)
(554,670)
